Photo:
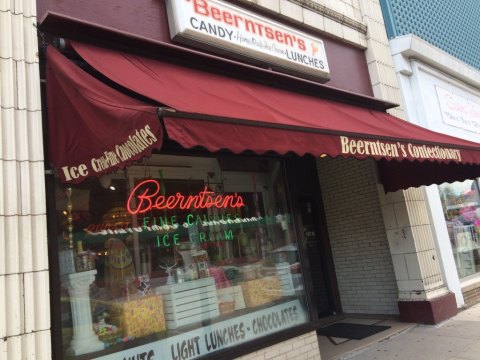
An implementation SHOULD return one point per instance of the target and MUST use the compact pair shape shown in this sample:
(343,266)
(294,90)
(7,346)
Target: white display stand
(286,280)
(189,302)
(84,339)
(289,282)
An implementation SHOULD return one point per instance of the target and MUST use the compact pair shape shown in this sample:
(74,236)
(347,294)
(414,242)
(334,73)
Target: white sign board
(221,335)
(222,27)
(458,111)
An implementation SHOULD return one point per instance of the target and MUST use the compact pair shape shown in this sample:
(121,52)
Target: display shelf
(189,302)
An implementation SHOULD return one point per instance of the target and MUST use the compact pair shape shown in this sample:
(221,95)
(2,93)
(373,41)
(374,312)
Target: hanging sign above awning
(217,26)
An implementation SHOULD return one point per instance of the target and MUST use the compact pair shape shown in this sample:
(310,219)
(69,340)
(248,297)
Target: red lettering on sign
(145,197)
(203,8)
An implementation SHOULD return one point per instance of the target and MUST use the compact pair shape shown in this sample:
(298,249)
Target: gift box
(261,291)
(138,316)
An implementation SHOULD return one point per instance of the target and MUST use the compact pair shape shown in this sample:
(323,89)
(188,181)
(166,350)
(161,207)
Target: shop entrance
(305,190)
(322,295)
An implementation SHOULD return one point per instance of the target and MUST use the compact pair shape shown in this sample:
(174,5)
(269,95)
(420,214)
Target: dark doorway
(316,257)
(312,228)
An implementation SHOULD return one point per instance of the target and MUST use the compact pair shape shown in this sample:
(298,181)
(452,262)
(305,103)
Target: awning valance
(220,112)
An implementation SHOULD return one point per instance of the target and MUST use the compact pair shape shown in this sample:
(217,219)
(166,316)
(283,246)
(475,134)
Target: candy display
(139,316)
(108,334)
(201,260)
(248,272)
(137,286)
(84,259)
(179,279)
(261,291)
(118,267)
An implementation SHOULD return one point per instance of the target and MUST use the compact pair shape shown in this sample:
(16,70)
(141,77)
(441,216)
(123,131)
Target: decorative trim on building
(332,14)
(412,47)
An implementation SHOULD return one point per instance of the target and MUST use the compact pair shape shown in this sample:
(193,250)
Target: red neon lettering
(171,202)
(159,202)
(144,197)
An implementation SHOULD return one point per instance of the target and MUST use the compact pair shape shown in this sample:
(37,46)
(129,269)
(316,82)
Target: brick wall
(303,347)
(362,258)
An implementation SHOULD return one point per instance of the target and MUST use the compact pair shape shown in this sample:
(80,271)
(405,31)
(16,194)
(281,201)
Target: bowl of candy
(110,335)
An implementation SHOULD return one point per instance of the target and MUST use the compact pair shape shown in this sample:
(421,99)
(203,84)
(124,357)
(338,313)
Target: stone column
(84,338)
(423,295)
(24,274)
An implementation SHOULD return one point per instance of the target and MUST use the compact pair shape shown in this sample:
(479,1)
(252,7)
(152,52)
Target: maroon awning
(92,128)
(219,112)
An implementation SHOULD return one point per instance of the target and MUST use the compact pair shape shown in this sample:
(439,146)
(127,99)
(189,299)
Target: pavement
(455,339)
(333,348)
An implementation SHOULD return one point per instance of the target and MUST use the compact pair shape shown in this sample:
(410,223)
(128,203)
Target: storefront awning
(219,112)
(94,129)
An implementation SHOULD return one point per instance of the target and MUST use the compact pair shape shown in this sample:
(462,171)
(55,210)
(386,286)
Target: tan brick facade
(24,284)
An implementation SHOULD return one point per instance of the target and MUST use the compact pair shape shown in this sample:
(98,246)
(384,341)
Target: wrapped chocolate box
(138,316)
(261,291)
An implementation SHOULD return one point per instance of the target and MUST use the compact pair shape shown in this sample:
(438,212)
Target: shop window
(461,206)
(177,258)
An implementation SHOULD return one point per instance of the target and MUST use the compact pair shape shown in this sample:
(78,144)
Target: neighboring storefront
(184,191)
(460,204)
(443,94)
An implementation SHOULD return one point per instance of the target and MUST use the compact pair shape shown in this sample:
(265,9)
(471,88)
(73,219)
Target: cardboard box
(261,291)
(138,316)
(231,294)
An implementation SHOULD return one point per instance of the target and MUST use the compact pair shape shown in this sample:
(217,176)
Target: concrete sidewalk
(455,339)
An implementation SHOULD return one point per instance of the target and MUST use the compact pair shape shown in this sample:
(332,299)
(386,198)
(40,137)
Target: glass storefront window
(177,258)
(461,206)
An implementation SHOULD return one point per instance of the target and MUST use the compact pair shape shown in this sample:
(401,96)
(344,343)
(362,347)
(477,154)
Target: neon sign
(146,196)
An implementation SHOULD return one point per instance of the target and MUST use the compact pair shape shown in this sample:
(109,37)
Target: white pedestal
(84,339)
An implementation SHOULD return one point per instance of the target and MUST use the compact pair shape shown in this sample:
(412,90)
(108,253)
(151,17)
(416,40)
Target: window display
(176,258)
(461,206)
